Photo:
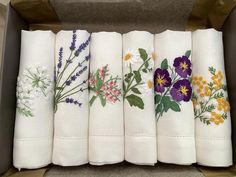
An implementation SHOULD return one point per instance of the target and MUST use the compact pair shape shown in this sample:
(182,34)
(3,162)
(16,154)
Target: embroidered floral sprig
(172,84)
(66,89)
(34,82)
(104,86)
(133,80)
(209,100)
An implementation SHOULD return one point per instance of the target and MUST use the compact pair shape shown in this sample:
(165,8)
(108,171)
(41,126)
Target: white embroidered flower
(131,57)
(147,86)
(152,56)
(34,82)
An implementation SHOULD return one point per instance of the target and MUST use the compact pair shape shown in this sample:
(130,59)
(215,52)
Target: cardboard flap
(35,11)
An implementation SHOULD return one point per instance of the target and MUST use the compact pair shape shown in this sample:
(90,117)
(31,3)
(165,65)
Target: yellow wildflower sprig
(207,93)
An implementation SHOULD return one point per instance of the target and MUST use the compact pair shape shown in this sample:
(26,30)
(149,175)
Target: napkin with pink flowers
(106,124)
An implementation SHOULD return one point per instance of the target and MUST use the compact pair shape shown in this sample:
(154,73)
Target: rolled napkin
(34,113)
(210,98)
(139,113)
(106,125)
(174,109)
(71,98)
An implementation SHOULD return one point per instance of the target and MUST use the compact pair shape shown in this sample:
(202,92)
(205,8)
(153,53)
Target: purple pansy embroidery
(181,90)
(162,80)
(172,84)
(65,90)
(183,66)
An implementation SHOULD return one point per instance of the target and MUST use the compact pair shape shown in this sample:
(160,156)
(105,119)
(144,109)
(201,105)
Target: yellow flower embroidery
(223,104)
(216,118)
(209,97)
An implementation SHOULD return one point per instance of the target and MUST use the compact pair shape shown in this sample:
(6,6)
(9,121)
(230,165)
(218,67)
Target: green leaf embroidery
(174,106)
(135,101)
(135,90)
(137,76)
(143,54)
(188,53)
(158,108)
(103,100)
(157,98)
(164,64)
(166,103)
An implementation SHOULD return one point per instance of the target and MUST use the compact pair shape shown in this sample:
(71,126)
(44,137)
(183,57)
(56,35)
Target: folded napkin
(34,113)
(174,109)
(71,98)
(210,98)
(106,125)
(139,113)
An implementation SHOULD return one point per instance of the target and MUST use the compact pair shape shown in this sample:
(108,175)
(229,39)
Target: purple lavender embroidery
(82,47)
(72,46)
(59,65)
(62,94)
(73,101)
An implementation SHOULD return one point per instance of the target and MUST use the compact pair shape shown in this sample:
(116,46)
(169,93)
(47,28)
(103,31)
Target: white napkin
(106,125)
(71,98)
(212,116)
(175,126)
(34,114)
(139,113)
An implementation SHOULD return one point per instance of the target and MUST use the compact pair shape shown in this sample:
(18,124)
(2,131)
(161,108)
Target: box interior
(102,15)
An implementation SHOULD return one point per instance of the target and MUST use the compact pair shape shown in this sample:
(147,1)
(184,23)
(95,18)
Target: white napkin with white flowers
(139,115)
(34,112)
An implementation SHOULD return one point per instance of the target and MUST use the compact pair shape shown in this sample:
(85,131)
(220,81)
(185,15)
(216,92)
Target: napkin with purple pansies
(210,98)
(106,125)
(71,98)
(173,107)
(34,111)
(139,114)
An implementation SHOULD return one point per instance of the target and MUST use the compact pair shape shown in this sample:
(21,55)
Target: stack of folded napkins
(104,97)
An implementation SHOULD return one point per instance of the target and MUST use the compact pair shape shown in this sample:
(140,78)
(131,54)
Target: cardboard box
(114,15)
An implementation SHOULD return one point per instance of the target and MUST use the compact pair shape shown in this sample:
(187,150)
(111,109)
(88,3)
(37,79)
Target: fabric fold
(173,107)
(34,111)
(139,115)
(210,98)
(71,98)
(106,124)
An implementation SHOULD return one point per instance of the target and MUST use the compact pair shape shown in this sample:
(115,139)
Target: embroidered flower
(131,57)
(216,118)
(147,86)
(161,80)
(34,82)
(106,89)
(223,104)
(72,46)
(183,66)
(211,98)
(181,90)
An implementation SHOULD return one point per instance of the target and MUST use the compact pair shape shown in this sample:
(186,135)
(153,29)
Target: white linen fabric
(34,114)
(175,126)
(139,114)
(212,116)
(106,124)
(71,98)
